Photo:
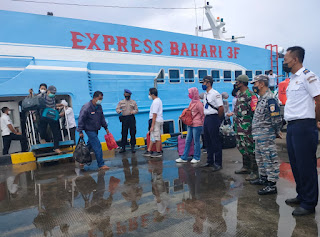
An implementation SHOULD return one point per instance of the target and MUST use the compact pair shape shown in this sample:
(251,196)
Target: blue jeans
(94,143)
(193,133)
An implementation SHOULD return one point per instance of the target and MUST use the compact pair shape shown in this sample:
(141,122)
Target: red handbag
(111,143)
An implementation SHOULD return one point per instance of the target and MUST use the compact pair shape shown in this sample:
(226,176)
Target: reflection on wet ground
(145,197)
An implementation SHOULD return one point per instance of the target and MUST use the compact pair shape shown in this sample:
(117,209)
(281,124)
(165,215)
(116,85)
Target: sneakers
(156,155)
(268,190)
(179,160)
(147,153)
(194,161)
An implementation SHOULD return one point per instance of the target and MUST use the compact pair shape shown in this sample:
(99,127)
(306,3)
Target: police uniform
(212,101)
(243,115)
(266,126)
(302,135)
(128,108)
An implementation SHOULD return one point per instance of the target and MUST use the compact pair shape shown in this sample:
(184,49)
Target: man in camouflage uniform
(243,114)
(266,126)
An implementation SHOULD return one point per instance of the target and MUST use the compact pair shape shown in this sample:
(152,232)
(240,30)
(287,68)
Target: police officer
(243,115)
(302,111)
(127,108)
(213,110)
(266,126)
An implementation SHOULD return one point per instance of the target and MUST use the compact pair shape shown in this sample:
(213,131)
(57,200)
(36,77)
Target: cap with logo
(260,77)
(52,89)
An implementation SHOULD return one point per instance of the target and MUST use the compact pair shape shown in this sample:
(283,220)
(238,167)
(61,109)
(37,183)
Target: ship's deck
(140,196)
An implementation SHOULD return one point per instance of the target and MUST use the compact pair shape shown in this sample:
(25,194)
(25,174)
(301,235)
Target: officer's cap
(260,77)
(242,78)
(127,91)
(208,79)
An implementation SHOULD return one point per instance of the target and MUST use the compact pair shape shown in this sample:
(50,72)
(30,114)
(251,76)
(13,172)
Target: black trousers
(128,122)
(302,142)
(55,128)
(212,139)
(7,142)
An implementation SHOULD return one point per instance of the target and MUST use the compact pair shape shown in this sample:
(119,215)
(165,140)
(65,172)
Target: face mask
(98,102)
(286,68)
(190,96)
(51,95)
(127,97)
(255,89)
(150,97)
(204,87)
(9,112)
(43,91)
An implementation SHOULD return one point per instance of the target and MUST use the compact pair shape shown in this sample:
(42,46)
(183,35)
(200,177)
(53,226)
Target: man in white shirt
(9,133)
(272,80)
(70,122)
(156,127)
(213,110)
(302,112)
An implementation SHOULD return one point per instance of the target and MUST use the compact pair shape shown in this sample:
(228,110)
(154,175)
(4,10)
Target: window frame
(215,78)
(250,78)
(173,78)
(184,76)
(224,79)
(164,76)
(198,74)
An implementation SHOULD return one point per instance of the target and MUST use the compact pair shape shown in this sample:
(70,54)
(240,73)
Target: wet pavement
(142,196)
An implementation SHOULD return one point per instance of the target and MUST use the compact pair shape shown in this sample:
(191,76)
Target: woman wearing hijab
(194,131)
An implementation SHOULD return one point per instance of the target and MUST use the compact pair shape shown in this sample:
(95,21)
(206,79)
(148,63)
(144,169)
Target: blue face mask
(51,95)
(204,87)
(99,102)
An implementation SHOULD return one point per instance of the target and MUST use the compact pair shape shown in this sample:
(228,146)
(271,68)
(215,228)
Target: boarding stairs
(274,58)
(44,152)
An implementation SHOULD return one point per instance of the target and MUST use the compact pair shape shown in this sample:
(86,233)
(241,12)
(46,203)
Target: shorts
(158,127)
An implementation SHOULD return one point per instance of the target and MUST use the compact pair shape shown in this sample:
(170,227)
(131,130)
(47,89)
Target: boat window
(266,72)
(258,72)
(238,73)
(174,75)
(202,74)
(215,75)
(249,74)
(160,77)
(227,75)
(168,126)
(188,76)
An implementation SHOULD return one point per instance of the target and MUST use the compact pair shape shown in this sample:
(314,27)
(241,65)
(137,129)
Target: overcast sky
(282,22)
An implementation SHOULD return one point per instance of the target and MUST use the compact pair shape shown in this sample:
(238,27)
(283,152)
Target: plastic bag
(111,143)
(82,154)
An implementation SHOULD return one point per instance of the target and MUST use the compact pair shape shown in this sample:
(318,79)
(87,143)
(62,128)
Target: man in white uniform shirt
(272,80)
(156,123)
(9,133)
(213,111)
(302,111)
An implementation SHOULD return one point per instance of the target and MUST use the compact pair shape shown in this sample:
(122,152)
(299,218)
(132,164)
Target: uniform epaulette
(306,71)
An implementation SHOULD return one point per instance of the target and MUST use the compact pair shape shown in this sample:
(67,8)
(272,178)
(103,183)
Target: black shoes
(122,150)
(261,181)
(293,201)
(206,165)
(243,170)
(216,167)
(300,211)
(133,149)
(147,153)
(268,190)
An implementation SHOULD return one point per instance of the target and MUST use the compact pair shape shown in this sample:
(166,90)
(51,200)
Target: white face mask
(9,112)
(150,97)
(43,91)
(99,102)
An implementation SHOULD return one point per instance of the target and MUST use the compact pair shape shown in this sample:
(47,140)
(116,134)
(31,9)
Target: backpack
(186,116)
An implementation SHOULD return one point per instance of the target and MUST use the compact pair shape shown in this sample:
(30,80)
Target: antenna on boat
(216,26)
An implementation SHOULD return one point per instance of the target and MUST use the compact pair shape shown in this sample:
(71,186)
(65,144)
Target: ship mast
(216,26)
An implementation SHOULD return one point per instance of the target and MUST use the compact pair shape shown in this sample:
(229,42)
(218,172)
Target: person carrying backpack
(194,120)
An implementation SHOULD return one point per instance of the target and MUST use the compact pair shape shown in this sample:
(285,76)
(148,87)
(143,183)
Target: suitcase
(228,141)
(182,144)
(154,145)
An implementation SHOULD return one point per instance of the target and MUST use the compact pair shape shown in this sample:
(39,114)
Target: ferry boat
(80,57)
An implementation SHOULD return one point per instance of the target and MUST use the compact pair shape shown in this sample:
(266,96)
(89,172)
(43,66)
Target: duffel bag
(33,103)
